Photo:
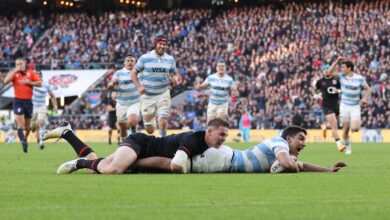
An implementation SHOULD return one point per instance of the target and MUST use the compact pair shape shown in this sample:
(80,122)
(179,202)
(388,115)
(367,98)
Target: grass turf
(30,189)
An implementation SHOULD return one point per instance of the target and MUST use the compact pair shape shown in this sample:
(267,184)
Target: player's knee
(112,170)
(149,129)
(356,129)
(177,168)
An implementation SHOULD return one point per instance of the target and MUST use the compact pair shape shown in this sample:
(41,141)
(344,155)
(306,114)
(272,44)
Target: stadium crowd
(274,55)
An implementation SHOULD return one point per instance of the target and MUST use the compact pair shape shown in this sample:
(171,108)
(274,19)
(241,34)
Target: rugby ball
(276,167)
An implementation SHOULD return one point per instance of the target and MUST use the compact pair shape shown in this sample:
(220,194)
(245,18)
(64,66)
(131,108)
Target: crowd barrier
(314,136)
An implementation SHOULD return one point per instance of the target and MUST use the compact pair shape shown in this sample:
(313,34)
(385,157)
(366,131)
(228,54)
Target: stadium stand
(274,54)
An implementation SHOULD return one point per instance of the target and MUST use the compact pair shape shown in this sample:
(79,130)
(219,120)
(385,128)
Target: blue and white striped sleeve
(140,65)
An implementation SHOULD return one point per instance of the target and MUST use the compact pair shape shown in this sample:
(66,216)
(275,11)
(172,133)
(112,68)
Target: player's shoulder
(228,77)
(277,141)
(358,76)
(167,56)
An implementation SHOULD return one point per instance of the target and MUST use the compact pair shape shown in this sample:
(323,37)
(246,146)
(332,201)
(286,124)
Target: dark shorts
(141,144)
(330,109)
(23,107)
(112,121)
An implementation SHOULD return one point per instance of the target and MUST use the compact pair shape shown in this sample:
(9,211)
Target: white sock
(338,143)
(41,132)
(347,145)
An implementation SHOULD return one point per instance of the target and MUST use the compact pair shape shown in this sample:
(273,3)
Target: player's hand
(25,81)
(196,86)
(338,166)
(174,80)
(141,90)
(340,59)
(362,102)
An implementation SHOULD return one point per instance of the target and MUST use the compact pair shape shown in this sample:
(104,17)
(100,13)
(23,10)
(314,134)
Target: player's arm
(201,86)
(174,77)
(316,90)
(10,76)
(366,95)
(332,68)
(287,162)
(36,80)
(53,100)
(160,163)
(109,107)
(112,82)
(179,162)
(134,77)
(308,167)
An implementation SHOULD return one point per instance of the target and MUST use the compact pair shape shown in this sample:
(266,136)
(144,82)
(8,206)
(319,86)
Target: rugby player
(220,85)
(38,122)
(352,86)
(180,147)
(330,88)
(127,101)
(152,75)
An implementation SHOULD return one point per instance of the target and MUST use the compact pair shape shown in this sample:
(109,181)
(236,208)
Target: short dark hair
(130,55)
(218,122)
(349,64)
(21,58)
(292,131)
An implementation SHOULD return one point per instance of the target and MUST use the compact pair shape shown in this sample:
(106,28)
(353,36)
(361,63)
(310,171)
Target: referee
(23,81)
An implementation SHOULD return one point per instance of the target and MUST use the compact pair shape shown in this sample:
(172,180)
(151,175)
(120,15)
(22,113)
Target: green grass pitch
(30,189)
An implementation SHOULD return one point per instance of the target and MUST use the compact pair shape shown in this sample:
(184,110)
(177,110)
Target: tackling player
(157,70)
(352,86)
(23,81)
(220,85)
(137,146)
(330,88)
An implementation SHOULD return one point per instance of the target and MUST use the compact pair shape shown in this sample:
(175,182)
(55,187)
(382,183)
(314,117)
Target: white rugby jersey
(351,88)
(155,72)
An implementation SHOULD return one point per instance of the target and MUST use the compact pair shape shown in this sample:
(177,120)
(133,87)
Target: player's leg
(116,163)
(163,108)
(211,112)
(222,111)
(148,111)
(159,163)
(356,120)
(345,117)
(65,132)
(121,118)
(19,111)
(123,157)
(109,135)
(332,120)
(133,116)
(41,122)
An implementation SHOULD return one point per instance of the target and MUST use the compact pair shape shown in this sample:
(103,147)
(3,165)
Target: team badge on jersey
(334,82)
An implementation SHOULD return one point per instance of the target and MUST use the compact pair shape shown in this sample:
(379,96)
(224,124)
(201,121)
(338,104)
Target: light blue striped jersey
(259,158)
(127,92)
(351,88)
(155,72)
(39,95)
(219,88)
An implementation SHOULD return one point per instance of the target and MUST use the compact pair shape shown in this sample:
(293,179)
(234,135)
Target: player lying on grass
(275,155)
(137,146)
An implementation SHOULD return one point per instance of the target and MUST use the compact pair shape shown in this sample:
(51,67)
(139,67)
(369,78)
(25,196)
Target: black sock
(21,135)
(90,164)
(81,149)
(337,139)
